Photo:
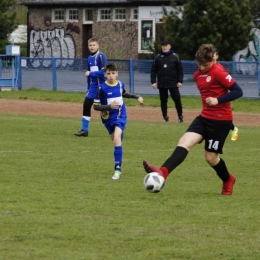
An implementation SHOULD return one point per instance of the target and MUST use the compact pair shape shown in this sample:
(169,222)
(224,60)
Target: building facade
(125,28)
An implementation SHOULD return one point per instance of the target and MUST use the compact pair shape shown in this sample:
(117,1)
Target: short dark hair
(205,53)
(110,66)
(93,40)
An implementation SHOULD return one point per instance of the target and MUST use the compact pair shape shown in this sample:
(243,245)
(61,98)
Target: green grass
(57,200)
(240,105)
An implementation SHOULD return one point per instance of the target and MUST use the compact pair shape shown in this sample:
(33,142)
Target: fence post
(258,71)
(13,72)
(54,74)
(131,76)
(19,73)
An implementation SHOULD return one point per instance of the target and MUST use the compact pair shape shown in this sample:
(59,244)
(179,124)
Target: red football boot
(151,168)
(227,187)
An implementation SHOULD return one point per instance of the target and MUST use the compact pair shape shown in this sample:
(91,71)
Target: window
(104,14)
(73,15)
(58,15)
(88,15)
(134,14)
(119,14)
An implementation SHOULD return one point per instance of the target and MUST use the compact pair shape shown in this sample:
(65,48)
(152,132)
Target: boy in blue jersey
(95,76)
(113,111)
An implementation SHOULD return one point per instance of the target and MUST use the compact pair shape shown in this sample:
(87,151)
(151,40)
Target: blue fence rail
(68,75)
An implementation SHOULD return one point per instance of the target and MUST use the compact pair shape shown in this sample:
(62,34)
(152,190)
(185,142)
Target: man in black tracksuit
(167,69)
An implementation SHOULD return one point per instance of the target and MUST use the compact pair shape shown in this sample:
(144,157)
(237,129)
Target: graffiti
(250,54)
(73,28)
(51,43)
(47,20)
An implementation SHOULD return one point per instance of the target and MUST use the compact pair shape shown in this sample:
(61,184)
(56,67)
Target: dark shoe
(81,133)
(227,188)
(151,168)
(180,120)
(166,119)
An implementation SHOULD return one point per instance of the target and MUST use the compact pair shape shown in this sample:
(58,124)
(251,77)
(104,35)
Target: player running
(217,88)
(113,111)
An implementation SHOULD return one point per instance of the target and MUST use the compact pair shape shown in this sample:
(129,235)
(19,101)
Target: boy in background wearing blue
(113,111)
(95,76)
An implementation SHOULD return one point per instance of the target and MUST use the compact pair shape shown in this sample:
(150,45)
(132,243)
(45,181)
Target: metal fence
(68,75)
(8,71)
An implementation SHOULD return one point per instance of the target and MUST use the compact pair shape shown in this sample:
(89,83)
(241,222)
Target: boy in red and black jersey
(217,89)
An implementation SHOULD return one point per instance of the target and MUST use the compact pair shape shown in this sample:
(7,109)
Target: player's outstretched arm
(129,95)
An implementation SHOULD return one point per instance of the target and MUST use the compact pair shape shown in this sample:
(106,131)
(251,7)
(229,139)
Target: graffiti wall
(250,54)
(52,43)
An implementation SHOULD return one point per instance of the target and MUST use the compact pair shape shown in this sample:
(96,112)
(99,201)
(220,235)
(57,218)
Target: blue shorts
(214,132)
(92,92)
(111,127)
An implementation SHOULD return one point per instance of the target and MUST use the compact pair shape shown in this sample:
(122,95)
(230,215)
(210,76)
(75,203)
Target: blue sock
(85,122)
(118,154)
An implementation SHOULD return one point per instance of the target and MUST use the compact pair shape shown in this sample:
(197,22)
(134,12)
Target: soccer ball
(154,182)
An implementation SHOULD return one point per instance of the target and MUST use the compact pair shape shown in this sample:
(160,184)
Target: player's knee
(211,158)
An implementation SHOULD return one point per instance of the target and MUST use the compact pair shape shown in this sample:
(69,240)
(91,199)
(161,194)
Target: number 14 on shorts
(213,144)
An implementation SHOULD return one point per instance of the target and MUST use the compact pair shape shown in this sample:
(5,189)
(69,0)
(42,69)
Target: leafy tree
(7,22)
(225,23)
(255,7)
(255,11)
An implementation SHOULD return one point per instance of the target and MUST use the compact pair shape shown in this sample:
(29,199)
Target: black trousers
(176,97)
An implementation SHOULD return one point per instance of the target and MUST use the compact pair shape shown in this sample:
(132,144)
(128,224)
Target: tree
(255,7)
(255,11)
(226,24)
(7,22)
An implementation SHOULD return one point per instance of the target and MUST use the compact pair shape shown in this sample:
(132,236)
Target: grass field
(57,200)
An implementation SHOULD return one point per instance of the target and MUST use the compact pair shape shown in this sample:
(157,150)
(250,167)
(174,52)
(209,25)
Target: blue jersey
(107,95)
(96,64)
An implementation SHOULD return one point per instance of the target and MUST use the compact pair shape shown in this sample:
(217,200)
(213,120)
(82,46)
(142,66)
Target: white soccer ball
(154,182)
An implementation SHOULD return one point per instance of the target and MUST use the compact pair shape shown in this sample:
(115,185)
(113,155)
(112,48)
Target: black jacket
(168,70)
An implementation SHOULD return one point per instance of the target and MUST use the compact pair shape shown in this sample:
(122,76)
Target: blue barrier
(68,75)
(9,71)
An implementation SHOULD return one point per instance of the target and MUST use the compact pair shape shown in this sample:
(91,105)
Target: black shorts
(214,132)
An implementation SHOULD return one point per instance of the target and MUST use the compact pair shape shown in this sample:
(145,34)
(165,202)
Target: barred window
(134,14)
(73,14)
(119,14)
(58,15)
(105,14)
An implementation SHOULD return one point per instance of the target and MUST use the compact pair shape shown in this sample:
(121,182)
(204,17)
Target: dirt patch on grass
(31,107)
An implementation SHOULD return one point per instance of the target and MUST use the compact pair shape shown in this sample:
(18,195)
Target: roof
(98,2)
